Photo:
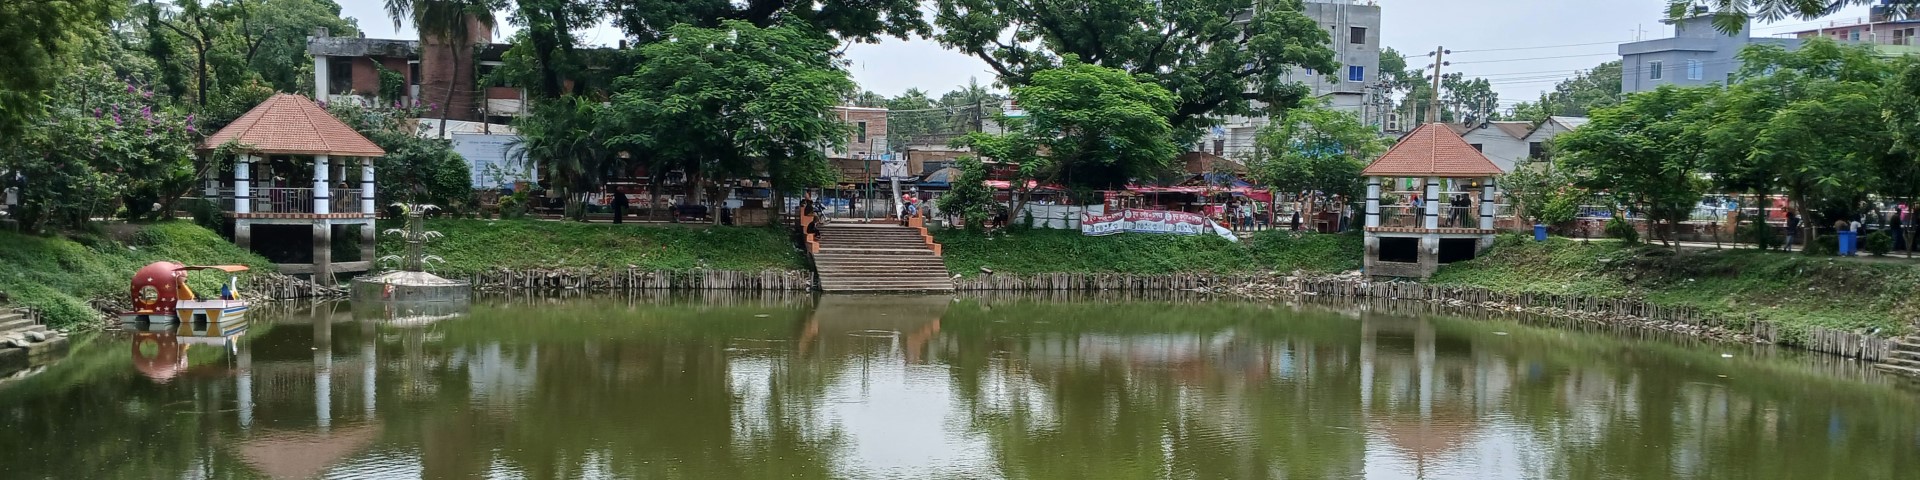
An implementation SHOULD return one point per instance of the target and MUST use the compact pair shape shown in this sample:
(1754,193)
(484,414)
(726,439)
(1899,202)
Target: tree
(103,142)
(1733,15)
(547,29)
(36,36)
(1576,97)
(867,99)
(567,142)
(416,170)
(734,100)
(1641,155)
(1315,149)
(863,20)
(1900,109)
(1460,99)
(1750,145)
(1216,57)
(969,197)
(1394,73)
(913,118)
(446,21)
(274,36)
(1087,127)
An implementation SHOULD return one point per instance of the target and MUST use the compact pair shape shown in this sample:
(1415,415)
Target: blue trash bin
(1847,238)
(1539,233)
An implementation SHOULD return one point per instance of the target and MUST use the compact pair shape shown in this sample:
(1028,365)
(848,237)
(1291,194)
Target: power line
(1535,58)
(1542,47)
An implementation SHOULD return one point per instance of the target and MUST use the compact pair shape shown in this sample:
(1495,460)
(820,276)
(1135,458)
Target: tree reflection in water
(796,387)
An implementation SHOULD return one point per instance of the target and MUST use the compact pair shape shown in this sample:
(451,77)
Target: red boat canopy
(223,268)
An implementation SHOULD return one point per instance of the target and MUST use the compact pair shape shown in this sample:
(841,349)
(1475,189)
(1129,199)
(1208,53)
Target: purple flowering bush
(102,145)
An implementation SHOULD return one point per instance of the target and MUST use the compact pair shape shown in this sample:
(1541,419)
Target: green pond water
(724,387)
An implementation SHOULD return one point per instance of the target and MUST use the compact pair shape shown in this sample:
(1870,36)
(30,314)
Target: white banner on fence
(1151,221)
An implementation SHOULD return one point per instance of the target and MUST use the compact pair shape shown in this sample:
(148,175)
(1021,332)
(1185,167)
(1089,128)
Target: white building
(1354,27)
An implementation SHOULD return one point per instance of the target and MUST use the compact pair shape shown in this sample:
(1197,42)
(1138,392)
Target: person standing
(1793,229)
(619,204)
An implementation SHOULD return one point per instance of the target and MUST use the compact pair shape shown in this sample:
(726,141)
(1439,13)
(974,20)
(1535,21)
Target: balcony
(295,203)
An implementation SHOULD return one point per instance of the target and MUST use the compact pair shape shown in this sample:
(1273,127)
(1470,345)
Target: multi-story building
(1697,55)
(1354,27)
(350,68)
(860,158)
(1889,34)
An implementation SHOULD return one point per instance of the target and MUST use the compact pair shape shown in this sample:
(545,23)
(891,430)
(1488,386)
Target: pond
(725,387)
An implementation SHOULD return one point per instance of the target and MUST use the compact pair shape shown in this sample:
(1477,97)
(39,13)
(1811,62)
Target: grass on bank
(57,275)
(1793,291)
(471,246)
(1068,251)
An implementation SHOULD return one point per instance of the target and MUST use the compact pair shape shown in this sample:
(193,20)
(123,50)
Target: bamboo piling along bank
(1626,312)
(637,279)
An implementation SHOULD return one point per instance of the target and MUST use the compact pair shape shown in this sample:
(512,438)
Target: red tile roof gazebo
(1429,154)
(268,140)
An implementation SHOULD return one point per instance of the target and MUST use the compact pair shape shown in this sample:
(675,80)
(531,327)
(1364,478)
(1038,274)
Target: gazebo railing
(292,200)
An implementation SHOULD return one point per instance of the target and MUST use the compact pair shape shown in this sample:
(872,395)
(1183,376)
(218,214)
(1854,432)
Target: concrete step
(1907,354)
(9,324)
(1904,362)
(1911,372)
(1906,345)
(883,270)
(886,288)
(909,252)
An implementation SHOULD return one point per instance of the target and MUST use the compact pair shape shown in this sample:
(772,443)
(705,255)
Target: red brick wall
(437,75)
(876,129)
(366,79)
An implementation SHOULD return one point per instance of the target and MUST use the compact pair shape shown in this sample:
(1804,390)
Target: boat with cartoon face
(160,294)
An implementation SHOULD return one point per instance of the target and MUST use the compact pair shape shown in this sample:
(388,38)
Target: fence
(637,279)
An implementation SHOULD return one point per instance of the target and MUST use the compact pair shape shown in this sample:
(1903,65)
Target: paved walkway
(1894,257)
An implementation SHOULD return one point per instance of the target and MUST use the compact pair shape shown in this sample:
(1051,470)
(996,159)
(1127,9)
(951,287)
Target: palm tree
(447,20)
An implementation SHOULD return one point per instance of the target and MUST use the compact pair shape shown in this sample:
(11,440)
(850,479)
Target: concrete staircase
(25,342)
(1905,357)
(879,257)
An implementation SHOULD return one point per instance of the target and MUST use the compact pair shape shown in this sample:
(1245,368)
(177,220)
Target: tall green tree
(1314,148)
(1900,109)
(1087,127)
(446,21)
(1216,57)
(1642,154)
(36,37)
(547,26)
(566,141)
(102,142)
(735,100)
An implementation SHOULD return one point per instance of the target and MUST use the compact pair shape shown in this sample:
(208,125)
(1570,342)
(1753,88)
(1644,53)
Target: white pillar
(320,197)
(243,185)
(1486,204)
(1432,196)
(366,186)
(320,77)
(1373,202)
(323,370)
(244,383)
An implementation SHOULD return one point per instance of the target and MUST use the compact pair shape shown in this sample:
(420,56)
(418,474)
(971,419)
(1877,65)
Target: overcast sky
(1490,38)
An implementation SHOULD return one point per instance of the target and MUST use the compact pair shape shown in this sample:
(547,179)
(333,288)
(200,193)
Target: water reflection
(995,387)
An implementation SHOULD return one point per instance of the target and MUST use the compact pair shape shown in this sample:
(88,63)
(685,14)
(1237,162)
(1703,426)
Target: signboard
(1149,221)
(492,159)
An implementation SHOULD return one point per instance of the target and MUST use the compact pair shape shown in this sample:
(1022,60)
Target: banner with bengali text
(1150,221)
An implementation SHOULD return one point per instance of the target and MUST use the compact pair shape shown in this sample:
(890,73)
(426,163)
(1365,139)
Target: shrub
(1827,245)
(1877,243)
(1622,229)
(1759,233)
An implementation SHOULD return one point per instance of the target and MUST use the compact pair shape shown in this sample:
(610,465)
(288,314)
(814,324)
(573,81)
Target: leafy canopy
(1216,57)
(1314,148)
(1087,127)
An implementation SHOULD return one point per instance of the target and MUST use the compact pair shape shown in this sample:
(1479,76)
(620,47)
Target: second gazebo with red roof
(1413,229)
(286,144)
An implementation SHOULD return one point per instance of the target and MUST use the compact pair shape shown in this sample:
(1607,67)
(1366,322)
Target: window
(486,75)
(1219,146)
(1536,150)
(1356,73)
(860,133)
(1696,70)
(1729,78)
(1479,148)
(1357,35)
(413,73)
(1853,36)
(339,75)
(1653,70)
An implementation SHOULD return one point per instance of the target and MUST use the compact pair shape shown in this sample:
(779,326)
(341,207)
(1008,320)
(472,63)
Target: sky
(1523,46)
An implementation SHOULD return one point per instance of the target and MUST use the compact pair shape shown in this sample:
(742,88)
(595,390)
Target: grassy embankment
(58,275)
(471,246)
(1793,291)
(1067,251)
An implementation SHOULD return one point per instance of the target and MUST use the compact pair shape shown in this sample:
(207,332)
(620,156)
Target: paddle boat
(160,295)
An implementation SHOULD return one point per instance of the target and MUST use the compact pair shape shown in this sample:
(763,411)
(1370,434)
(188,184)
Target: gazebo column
(243,201)
(1373,202)
(367,231)
(322,228)
(1486,204)
(1432,196)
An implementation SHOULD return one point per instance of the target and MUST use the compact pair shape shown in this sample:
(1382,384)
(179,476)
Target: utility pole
(1433,105)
